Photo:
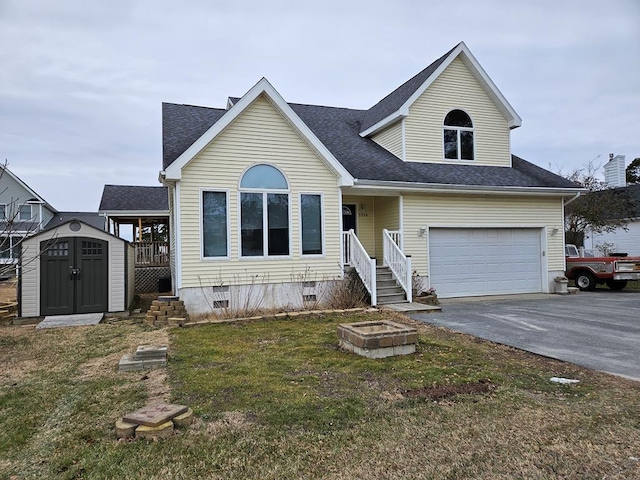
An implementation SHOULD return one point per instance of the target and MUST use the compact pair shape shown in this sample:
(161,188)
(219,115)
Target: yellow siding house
(270,201)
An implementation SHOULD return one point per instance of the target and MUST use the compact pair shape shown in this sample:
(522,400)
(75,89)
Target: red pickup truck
(615,270)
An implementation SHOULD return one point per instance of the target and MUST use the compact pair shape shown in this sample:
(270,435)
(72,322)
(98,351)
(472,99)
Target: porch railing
(396,236)
(398,262)
(152,254)
(358,258)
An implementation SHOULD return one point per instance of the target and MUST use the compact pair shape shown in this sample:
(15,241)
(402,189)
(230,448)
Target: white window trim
(11,259)
(247,189)
(265,225)
(227,194)
(322,223)
(20,212)
(458,130)
(265,216)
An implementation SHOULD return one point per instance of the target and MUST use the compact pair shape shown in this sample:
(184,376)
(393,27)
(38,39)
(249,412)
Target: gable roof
(4,170)
(93,219)
(134,198)
(181,125)
(366,161)
(338,133)
(396,105)
(50,227)
(263,88)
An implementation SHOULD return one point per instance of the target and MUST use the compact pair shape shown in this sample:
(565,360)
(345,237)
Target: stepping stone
(184,420)
(151,351)
(155,415)
(129,363)
(163,430)
(125,429)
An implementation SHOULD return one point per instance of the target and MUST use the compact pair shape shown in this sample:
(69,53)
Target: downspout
(572,199)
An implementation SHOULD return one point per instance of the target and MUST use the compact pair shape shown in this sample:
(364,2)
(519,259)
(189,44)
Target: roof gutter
(447,188)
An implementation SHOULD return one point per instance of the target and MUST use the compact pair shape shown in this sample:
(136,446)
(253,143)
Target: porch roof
(133,201)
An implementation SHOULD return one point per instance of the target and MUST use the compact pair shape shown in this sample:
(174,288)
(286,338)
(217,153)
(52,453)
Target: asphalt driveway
(598,330)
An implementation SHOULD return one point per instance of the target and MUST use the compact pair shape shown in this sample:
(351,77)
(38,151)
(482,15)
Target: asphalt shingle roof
(396,99)
(134,198)
(339,130)
(182,125)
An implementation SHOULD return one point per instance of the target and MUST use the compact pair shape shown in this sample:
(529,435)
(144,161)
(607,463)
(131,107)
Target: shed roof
(93,219)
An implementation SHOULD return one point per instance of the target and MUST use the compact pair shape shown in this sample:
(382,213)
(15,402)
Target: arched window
(264,177)
(458,136)
(264,212)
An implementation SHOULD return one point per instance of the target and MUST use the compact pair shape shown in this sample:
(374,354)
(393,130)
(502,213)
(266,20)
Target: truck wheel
(586,281)
(616,284)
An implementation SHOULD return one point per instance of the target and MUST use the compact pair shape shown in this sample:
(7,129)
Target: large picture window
(458,136)
(264,212)
(214,224)
(311,219)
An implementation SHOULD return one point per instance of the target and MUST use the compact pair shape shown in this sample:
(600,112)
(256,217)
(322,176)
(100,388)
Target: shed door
(484,261)
(74,276)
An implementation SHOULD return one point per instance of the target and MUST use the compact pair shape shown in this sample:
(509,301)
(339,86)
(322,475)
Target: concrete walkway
(71,320)
(413,307)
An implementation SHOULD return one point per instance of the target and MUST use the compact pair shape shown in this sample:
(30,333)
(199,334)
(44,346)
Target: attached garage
(75,268)
(485,261)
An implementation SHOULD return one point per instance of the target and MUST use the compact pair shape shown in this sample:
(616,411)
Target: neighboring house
(146,209)
(22,213)
(269,201)
(625,240)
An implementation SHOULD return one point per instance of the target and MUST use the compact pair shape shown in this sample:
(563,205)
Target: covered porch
(140,214)
(372,244)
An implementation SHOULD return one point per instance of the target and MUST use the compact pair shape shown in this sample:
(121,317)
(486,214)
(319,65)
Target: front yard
(278,399)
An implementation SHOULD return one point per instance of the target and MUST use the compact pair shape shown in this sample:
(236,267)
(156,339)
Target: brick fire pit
(378,339)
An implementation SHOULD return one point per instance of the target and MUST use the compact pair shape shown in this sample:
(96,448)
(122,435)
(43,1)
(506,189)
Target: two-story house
(270,200)
(22,212)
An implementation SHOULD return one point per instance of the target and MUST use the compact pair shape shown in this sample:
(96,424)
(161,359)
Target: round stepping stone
(184,420)
(125,429)
(161,431)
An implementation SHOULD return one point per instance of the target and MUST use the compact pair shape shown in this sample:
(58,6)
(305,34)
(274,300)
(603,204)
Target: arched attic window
(264,212)
(458,136)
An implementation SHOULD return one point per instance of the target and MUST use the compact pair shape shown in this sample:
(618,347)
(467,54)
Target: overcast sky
(81,82)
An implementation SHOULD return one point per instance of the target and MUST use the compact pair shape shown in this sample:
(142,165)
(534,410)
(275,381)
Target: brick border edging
(301,313)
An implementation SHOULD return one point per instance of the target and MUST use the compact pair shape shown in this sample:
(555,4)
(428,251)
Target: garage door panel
(484,261)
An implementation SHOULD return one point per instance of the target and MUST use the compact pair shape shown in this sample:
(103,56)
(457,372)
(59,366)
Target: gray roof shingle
(396,99)
(339,130)
(134,198)
(182,125)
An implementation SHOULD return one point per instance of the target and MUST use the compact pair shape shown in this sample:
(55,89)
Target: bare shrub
(348,293)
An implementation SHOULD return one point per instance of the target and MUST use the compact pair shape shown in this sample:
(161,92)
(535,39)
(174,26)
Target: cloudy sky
(81,82)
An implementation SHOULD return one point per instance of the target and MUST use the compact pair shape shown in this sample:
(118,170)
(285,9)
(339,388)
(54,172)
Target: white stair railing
(398,262)
(359,259)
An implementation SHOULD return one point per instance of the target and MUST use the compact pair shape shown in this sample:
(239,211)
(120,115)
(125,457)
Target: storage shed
(75,268)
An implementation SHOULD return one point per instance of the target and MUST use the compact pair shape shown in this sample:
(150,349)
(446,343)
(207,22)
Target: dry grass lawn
(277,399)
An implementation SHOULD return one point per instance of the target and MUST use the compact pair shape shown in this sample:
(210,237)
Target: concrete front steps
(387,290)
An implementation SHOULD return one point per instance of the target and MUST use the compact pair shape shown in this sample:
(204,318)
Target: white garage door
(484,261)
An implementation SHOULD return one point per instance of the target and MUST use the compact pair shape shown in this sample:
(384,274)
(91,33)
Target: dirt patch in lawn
(441,392)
